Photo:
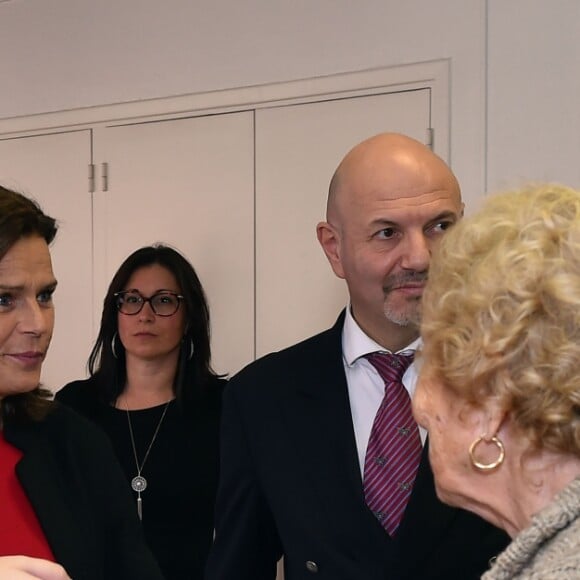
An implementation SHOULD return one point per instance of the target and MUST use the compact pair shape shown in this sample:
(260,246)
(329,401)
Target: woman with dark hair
(153,391)
(64,507)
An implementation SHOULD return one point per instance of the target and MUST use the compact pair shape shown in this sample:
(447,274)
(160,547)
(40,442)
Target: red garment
(20,531)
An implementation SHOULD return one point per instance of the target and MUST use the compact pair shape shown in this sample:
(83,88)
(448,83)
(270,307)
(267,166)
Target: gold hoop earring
(493,464)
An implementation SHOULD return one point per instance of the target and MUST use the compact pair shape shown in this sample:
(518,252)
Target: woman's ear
(484,418)
(494,416)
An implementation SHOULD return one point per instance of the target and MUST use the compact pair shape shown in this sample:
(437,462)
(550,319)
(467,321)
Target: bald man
(296,423)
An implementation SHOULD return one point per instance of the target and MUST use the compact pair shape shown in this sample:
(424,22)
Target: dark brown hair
(194,372)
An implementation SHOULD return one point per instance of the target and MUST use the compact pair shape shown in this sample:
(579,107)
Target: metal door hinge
(105,176)
(430,138)
(91,178)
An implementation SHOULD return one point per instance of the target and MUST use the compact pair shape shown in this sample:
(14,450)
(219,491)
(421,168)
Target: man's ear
(330,241)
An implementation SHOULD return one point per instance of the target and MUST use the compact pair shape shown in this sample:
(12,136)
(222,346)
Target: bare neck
(526,483)
(149,383)
(535,486)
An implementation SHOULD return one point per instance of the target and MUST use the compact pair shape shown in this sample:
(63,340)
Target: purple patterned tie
(394,448)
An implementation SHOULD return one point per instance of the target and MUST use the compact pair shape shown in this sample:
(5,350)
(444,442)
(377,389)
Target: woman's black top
(181,470)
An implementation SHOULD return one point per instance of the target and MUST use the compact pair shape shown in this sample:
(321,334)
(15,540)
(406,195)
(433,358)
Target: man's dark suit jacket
(73,481)
(291,484)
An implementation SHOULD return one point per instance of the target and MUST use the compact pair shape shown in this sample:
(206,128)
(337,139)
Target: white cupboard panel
(188,183)
(53,169)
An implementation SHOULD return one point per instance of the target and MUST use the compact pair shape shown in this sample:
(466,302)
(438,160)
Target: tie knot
(391,367)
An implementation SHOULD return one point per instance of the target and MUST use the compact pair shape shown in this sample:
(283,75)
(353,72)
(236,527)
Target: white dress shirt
(366,388)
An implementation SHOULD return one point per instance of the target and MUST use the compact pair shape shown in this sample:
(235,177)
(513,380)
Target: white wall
(534,92)
(524,123)
(62,54)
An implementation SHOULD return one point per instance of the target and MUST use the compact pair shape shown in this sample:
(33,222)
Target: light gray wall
(533,118)
(514,63)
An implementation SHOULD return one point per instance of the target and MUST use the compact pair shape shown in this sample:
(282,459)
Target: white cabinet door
(53,169)
(297,150)
(188,183)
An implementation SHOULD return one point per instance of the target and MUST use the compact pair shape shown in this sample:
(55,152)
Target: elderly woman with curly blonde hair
(499,388)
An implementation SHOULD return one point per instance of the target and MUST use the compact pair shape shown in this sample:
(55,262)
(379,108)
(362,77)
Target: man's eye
(6,300)
(386,233)
(441,226)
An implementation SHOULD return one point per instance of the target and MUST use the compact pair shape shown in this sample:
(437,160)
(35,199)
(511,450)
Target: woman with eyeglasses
(153,391)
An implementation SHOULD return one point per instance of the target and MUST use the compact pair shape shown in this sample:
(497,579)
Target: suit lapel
(318,415)
(324,428)
(317,412)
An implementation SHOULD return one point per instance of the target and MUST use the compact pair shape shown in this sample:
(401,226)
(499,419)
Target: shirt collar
(357,344)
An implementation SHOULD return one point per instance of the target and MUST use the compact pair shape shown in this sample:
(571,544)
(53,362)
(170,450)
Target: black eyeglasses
(163,303)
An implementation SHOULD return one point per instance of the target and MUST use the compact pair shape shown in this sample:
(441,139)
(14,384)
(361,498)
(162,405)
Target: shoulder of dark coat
(62,428)
(82,396)
(291,365)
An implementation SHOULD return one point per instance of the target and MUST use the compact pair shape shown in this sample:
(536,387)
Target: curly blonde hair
(501,311)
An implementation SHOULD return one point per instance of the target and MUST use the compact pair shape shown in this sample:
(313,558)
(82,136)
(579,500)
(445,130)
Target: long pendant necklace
(139,483)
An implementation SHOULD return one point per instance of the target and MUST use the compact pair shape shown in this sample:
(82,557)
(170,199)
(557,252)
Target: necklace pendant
(139,483)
